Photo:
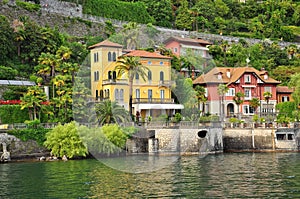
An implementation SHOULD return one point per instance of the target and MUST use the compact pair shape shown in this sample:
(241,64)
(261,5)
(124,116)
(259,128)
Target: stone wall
(19,149)
(248,139)
(186,141)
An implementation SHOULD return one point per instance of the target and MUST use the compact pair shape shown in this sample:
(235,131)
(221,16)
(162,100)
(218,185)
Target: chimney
(228,73)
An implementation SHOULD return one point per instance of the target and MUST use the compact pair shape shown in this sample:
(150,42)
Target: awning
(159,106)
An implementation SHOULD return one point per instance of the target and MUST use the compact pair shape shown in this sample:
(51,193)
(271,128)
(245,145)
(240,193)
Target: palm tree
(254,102)
(200,94)
(222,90)
(110,112)
(131,66)
(239,99)
(33,100)
(267,95)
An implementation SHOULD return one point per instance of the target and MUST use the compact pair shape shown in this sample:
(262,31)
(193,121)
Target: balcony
(115,81)
(166,83)
(152,101)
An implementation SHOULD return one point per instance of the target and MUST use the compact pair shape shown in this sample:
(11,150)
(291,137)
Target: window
(96,57)
(162,94)
(114,56)
(149,62)
(161,63)
(175,50)
(285,98)
(121,95)
(114,75)
(137,76)
(97,95)
(149,94)
(231,92)
(247,93)
(248,110)
(161,76)
(109,75)
(149,75)
(117,94)
(101,94)
(247,79)
(268,89)
(96,76)
(109,56)
(137,94)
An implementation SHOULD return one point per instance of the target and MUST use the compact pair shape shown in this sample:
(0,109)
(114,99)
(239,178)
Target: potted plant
(255,119)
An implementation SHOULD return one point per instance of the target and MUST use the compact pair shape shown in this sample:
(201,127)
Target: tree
(184,19)
(108,112)
(239,99)
(254,103)
(200,94)
(65,140)
(222,90)
(131,66)
(33,100)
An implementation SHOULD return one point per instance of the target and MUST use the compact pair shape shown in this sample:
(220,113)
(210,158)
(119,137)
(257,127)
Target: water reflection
(236,175)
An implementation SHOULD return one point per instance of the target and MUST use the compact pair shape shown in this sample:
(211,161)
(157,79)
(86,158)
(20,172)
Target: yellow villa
(150,98)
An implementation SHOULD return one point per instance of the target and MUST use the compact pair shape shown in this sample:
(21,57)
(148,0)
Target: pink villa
(253,83)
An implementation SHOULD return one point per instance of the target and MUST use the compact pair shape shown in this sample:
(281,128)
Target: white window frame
(268,89)
(248,110)
(247,92)
(247,78)
(230,92)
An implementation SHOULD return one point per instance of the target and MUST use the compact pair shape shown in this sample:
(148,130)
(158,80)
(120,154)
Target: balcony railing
(153,101)
(115,81)
(166,83)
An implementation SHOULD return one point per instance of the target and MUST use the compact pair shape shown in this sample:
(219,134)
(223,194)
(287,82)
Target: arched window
(101,94)
(137,76)
(109,56)
(161,76)
(108,93)
(97,95)
(114,75)
(149,75)
(121,95)
(116,94)
(114,56)
(109,74)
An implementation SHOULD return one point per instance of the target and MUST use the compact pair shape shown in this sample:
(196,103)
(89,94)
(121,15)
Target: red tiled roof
(235,74)
(142,53)
(284,89)
(106,43)
(190,41)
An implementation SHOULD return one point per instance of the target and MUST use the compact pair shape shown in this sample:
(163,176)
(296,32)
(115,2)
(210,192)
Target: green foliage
(115,9)
(177,117)
(107,140)
(7,73)
(16,115)
(65,140)
(114,133)
(14,92)
(286,109)
(28,6)
(209,118)
(255,118)
(37,134)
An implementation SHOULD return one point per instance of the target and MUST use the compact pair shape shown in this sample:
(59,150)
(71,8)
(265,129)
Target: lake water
(228,175)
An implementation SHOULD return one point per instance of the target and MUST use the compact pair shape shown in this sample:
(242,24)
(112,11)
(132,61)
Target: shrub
(65,140)
(37,134)
(16,115)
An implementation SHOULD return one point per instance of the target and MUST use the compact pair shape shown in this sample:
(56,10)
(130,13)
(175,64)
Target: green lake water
(228,175)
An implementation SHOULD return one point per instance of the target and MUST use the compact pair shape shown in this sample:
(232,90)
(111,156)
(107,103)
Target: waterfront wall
(20,149)
(188,141)
(248,139)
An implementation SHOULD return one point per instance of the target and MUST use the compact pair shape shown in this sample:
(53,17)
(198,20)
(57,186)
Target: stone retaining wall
(185,141)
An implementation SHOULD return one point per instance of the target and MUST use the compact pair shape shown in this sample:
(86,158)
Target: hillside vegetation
(256,19)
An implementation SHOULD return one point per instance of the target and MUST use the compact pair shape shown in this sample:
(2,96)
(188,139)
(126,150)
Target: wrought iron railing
(153,101)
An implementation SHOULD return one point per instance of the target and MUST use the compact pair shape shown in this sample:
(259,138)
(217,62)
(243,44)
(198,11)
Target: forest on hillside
(255,19)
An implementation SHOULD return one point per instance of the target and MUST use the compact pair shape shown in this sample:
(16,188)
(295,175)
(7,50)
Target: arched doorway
(230,109)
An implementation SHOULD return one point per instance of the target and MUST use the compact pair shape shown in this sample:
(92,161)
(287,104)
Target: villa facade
(150,98)
(253,83)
